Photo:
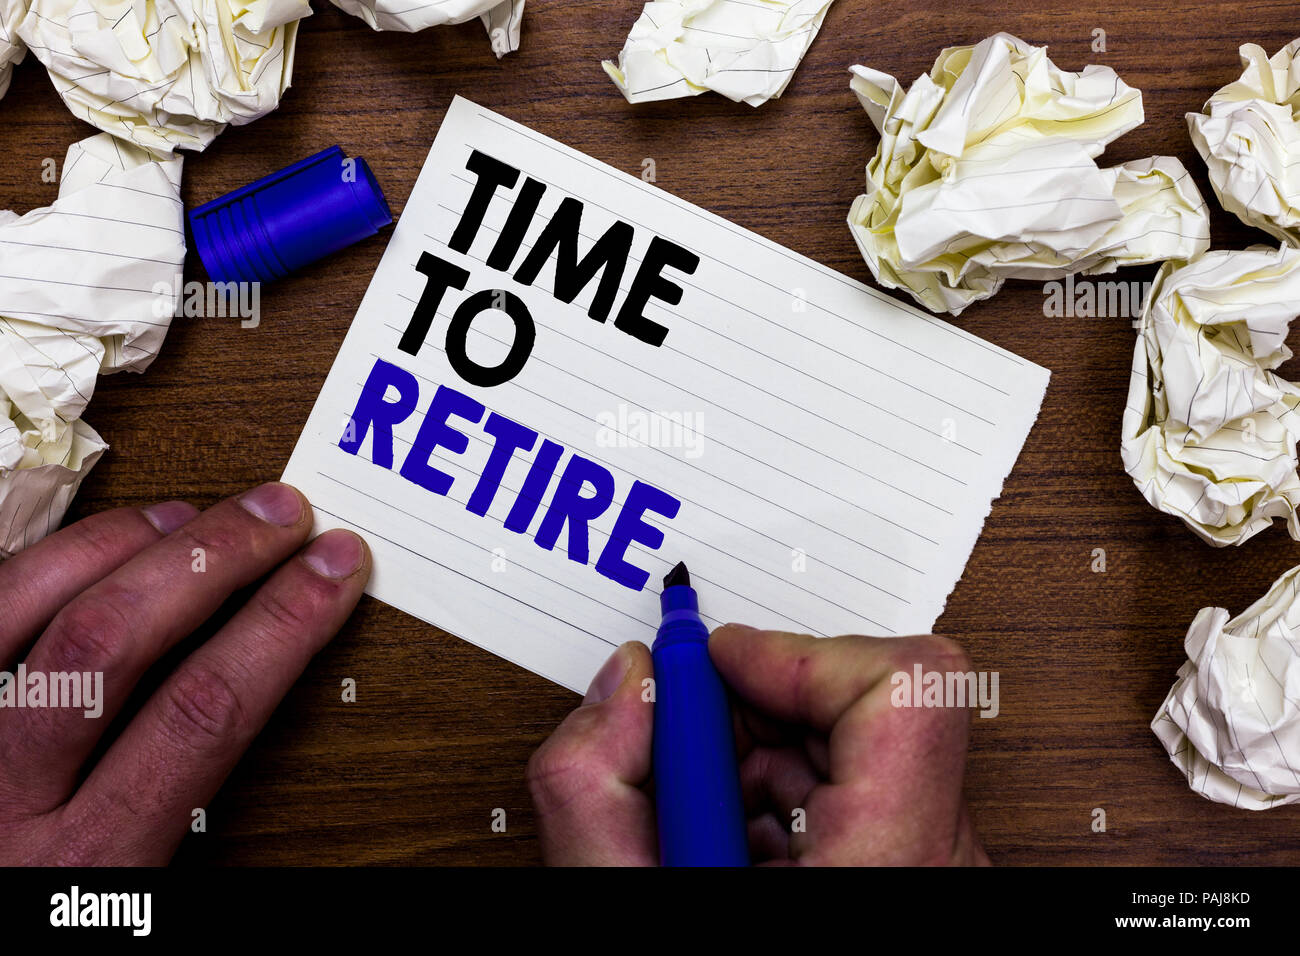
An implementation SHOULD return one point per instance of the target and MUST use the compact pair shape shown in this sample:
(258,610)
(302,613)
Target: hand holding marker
(701,817)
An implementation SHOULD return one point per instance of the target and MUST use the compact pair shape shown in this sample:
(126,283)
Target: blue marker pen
(697,783)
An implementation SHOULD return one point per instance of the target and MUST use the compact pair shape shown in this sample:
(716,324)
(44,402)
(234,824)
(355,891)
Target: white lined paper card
(563,380)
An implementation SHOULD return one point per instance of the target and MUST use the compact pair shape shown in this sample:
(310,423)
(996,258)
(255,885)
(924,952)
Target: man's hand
(819,742)
(111,594)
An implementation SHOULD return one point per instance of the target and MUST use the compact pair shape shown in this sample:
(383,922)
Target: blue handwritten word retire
(585,491)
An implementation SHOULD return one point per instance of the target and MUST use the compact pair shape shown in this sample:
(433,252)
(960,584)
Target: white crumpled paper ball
(12,49)
(1209,432)
(78,301)
(166,74)
(748,52)
(986,171)
(1248,133)
(1231,723)
(501,18)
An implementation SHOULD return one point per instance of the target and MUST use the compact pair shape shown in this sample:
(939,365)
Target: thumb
(586,778)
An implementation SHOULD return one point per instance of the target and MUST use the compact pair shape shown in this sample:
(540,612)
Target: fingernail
(607,679)
(743,628)
(167,516)
(335,554)
(275,502)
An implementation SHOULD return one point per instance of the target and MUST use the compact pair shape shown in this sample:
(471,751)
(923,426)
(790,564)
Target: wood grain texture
(442,730)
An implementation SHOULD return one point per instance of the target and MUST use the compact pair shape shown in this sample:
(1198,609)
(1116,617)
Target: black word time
(608,257)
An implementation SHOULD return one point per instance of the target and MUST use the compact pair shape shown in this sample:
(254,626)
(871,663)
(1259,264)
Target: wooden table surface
(439,737)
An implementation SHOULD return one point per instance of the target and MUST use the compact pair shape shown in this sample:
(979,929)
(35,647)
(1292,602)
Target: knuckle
(89,830)
(113,803)
(90,634)
(212,537)
(557,772)
(98,539)
(286,612)
(201,710)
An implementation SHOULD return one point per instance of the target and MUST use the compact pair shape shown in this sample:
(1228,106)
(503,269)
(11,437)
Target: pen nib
(678,575)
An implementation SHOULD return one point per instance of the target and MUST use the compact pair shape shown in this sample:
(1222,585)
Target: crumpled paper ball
(1231,722)
(1248,133)
(12,49)
(501,18)
(748,52)
(166,74)
(1209,432)
(986,171)
(89,287)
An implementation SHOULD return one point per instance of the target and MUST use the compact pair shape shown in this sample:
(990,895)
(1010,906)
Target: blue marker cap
(282,222)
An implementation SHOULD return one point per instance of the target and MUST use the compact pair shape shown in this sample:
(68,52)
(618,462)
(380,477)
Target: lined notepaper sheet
(831,453)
